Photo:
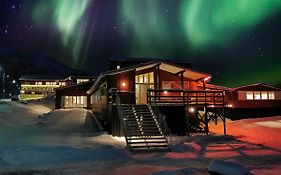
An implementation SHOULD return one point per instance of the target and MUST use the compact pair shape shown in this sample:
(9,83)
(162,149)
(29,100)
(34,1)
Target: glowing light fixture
(165,92)
(229,105)
(123,84)
(191,109)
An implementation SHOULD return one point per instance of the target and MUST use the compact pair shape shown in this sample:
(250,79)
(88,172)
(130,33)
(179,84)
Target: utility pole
(3,81)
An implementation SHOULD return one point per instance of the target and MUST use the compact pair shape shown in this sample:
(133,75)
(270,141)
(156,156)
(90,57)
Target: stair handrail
(121,116)
(162,120)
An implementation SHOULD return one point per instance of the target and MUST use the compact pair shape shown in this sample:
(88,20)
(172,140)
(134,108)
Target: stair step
(143,128)
(150,141)
(150,146)
(146,135)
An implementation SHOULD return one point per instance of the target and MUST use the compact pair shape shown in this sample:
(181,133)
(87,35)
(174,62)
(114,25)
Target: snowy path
(63,142)
(56,139)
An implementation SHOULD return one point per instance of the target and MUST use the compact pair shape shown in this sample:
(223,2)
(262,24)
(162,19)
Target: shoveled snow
(36,139)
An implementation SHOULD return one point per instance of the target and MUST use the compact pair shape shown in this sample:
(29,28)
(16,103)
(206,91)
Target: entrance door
(141,93)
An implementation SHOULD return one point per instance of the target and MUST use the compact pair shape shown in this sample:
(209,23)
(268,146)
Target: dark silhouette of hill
(17,64)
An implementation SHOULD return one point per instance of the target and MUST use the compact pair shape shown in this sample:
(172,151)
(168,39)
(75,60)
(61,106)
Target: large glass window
(249,96)
(260,95)
(147,78)
(271,95)
(257,95)
(264,95)
(143,82)
(75,101)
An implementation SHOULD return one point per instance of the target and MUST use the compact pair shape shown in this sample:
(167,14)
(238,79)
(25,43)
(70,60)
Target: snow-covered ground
(35,139)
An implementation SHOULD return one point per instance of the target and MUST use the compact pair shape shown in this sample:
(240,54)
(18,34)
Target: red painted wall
(232,98)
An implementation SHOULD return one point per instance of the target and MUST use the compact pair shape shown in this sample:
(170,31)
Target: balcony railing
(210,98)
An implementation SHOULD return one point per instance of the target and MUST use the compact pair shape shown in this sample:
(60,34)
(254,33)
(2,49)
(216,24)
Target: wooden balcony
(204,98)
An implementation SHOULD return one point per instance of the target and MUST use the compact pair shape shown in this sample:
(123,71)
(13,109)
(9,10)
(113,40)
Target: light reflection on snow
(271,124)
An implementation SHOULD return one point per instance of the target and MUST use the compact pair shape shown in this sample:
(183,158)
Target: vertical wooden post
(158,81)
(206,117)
(182,83)
(223,114)
(158,77)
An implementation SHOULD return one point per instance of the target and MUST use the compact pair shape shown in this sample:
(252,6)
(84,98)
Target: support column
(182,83)
(206,121)
(223,114)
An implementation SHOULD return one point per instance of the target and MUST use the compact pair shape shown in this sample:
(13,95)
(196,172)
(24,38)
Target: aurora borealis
(237,41)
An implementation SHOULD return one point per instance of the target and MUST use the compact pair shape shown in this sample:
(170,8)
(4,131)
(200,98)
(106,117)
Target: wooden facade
(133,84)
(254,100)
(73,96)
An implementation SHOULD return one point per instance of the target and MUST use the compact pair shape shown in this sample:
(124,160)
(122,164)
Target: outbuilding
(73,96)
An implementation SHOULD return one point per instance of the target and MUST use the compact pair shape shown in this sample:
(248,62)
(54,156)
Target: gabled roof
(82,77)
(174,69)
(216,87)
(29,77)
(257,84)
(87,83)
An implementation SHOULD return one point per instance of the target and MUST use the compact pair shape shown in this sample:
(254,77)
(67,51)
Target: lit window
(82,80)
(264,96)
(38,83)
(257,95)
(249,96)
(145,80)
(271,95)
(141,79)
(151,77)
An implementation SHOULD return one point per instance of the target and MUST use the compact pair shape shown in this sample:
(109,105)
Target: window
(62,83)
(257,95)
(249,96)
(51,83)
(75,101)
(271,95)
(82,80)
(38,83)
(147,78)
(151,77)
(264,95)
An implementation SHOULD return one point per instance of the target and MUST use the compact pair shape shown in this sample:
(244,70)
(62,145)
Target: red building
(169,87)
(254,100)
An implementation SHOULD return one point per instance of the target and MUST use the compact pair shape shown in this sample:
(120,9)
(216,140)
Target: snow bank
(227,168)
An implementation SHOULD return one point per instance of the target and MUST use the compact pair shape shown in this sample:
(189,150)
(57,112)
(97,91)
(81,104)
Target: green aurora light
(217,22)
(158,28)
(66,17)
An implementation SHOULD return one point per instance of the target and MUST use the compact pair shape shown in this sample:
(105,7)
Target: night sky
(237,41)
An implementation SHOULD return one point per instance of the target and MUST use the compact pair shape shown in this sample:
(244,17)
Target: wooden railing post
(223,113)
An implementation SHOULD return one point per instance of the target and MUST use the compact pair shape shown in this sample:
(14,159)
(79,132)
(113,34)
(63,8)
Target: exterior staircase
(143,129)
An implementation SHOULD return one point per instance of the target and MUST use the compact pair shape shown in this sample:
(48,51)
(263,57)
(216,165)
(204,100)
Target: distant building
(73,96)
(40,85)
(37,86)
(254,100)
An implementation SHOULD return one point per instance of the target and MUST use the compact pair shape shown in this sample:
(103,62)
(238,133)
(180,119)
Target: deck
(199,98)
